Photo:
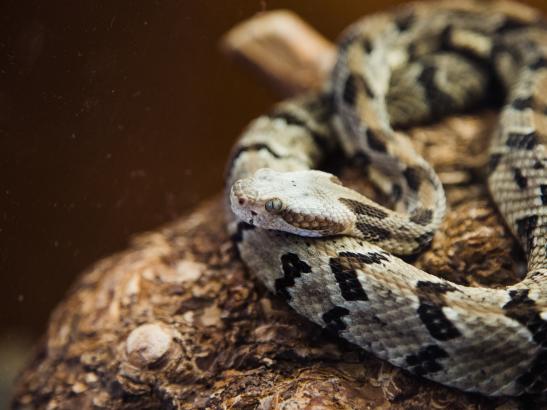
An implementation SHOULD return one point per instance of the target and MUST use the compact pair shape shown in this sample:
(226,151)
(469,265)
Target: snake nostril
(241,201)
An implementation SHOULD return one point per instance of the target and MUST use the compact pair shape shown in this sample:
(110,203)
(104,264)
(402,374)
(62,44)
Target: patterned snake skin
(329,251)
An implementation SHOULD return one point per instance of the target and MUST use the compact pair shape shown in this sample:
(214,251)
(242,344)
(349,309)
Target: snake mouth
(242,201)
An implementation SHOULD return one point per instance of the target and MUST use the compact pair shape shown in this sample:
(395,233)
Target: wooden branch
(175,321)
(283,49)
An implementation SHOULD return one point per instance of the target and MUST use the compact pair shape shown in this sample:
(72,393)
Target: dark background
(115,117)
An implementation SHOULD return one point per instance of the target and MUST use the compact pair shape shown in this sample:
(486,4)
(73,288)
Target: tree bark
(175,321)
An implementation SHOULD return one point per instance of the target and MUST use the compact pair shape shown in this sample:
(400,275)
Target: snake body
(330,252)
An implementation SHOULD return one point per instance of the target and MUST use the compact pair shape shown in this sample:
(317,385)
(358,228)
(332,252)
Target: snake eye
(273,205)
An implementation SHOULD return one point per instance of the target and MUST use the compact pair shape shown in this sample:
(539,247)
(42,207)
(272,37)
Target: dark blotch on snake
(333,319)
(404,21)
(436,322)
(521,104)
(293,267)
(365,258)
(522,141)
(524,310)
(499,47)
(520,179)
(363,209)
(493,162)
(533,378)
(373,233)
(361,160)
(396,192)
(538,64)
(289,118)
(525,227)
(423,241)
(320,140)
(411,52)
(412,177)
(374,142)
(251,148)
(344,272)
(446,37)
(421,216)
(543,189)
(439,102)
(241,227)
(425,361)
(292,119)
(367,45)
(430,311)
(349,94)
(368,90)
(433,289)
(509,25)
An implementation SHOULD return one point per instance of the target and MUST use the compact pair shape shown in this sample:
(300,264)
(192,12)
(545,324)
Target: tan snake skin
(329,251)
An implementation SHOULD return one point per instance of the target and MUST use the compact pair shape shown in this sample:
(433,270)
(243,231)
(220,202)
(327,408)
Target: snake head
(299,202)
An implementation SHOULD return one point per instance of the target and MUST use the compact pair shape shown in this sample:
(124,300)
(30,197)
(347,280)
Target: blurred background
(115,117)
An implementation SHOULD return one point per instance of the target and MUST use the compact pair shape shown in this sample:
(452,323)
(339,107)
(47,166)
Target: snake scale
(330,252)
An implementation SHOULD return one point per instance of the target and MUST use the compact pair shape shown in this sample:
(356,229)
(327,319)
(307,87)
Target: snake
(337,257)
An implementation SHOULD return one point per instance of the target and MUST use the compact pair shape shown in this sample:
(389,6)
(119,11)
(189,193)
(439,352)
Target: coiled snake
(329,251)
